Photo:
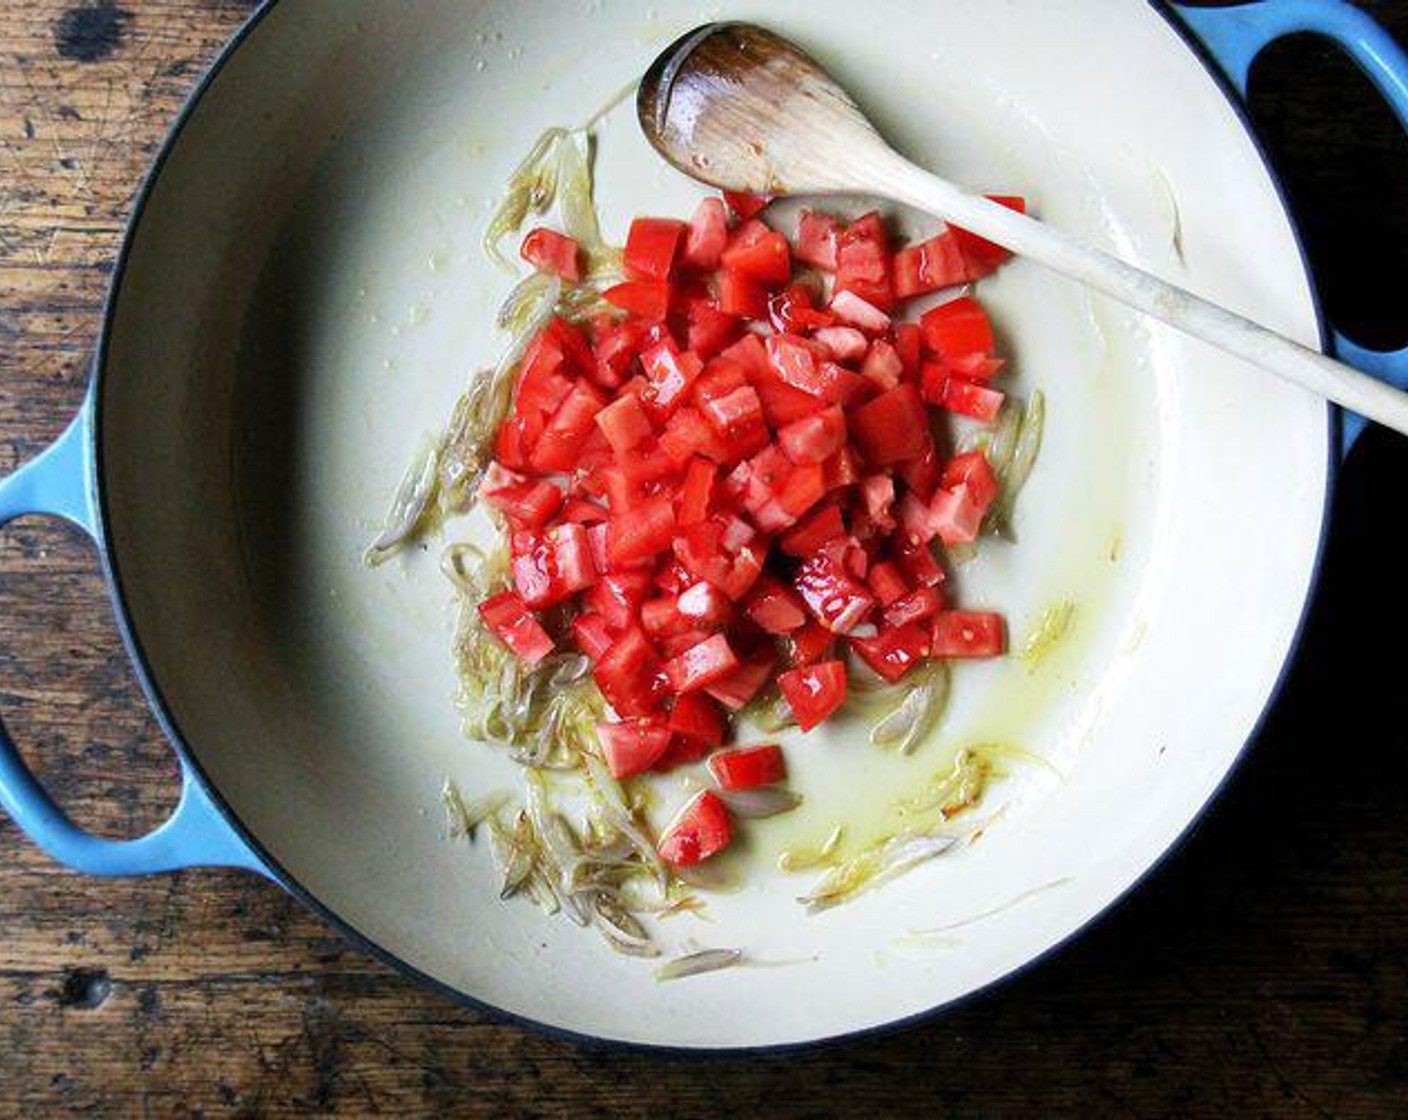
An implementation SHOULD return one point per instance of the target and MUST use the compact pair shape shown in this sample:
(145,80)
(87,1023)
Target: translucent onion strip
(413,501)
(696,964)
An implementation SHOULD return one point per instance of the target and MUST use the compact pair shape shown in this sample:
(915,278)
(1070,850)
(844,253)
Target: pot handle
(58,483)
(1235,36)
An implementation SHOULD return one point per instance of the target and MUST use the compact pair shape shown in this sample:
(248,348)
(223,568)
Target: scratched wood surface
(1262,971)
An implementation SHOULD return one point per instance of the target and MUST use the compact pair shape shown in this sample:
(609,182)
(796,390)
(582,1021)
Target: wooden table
(1263,970)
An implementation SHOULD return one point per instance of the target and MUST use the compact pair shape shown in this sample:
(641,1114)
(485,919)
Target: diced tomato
(968,399)
(782,404)
(660,617)
(651,246)
(725,413)
(697,492)
(707,235)
(514,442)
(887,582)
(863,262)
(648,299)
(931,265)
(748,767)
(971,469)
(883,366)
(968,634)
(615,351)
(895,651)
(816,438)
(618,596)
(644,532)
(553,253)
(670,373)
(592,635)
(919,522)
(688,434)
(624,424)
(747,205)
(921,474)
(909,345)
(737,411)
(832,594)
(816,240)
(709,329)
(702,829)
(739,687)
(919,565)
(841,470)
(739,295)
(701,665)
(801,489)
(531,568)
(794,310)
(796,362)
(824,525)
(809,644)
(699,549)
(760,253)
(632,746)
(916,606)
(957,329)
(576,350)
(877,491)
(956,516)
(893,427)
(705,605)
(846,344)
(583,512)
(672,645)
(814,692)
(859,312)
(775,608)
(496,479)
(511,622)
(697,718)
(560,446)
(975,367)
(982,255)
(527,505)
(628,675)
(573,567)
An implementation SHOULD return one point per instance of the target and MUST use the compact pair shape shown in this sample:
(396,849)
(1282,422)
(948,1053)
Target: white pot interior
(305,297)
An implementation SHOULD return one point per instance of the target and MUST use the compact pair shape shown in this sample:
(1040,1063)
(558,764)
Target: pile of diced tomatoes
(735,478)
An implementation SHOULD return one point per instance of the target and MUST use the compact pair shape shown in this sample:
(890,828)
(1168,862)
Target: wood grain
(1262,971)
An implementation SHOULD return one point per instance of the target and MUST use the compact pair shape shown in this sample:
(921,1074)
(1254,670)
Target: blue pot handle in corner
(1235,36)
(59,483)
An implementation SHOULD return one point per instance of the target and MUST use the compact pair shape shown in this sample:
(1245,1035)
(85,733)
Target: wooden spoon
(738,107)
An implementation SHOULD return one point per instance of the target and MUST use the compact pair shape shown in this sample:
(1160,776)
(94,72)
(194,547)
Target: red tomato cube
(814,692)
(957,329)
(893,427)
(748,767)
(701,665)
(739,687)
(702,829)
(707,235)
(632,746)
(510,621)
(968,634)
(552,253)
(651,245)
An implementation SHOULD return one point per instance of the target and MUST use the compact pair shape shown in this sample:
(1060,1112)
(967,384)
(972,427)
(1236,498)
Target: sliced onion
(695,964)
(760,803)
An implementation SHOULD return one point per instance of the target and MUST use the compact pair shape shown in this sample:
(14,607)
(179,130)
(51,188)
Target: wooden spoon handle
(913,186)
